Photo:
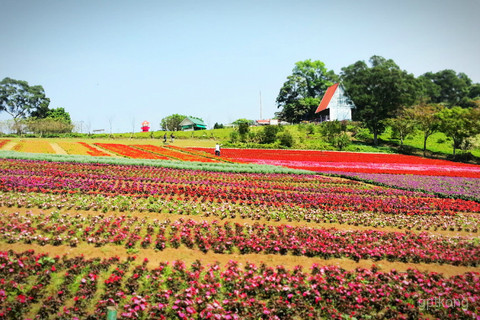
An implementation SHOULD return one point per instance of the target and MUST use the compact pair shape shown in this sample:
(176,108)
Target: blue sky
(123,62)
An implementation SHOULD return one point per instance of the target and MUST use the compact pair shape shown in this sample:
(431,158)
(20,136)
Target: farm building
(266,122)
(335,105)
(192,123)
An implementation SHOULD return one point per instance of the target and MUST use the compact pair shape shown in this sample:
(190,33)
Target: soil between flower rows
(188,255)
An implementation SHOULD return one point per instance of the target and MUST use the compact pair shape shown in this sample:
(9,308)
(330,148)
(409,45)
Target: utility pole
(261,117)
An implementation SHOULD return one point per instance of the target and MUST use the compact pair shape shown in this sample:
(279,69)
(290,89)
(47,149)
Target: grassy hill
(310,137)
(304,136)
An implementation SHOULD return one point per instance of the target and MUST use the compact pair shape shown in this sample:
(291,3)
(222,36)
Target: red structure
(145,126)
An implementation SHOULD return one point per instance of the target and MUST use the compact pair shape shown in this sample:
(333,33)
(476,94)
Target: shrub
(363,134)
(269,134)
(286,139)
(233,136)
(243,128)
(341,141)
(310,129)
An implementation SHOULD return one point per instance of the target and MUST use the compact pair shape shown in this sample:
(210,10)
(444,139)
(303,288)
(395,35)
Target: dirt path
(188,256)
(57,148)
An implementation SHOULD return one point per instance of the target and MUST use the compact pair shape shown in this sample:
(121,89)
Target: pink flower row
(229,292)
(270,189)
(243,238)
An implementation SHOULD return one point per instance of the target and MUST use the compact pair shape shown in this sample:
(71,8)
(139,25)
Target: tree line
(29,108)
(385,95)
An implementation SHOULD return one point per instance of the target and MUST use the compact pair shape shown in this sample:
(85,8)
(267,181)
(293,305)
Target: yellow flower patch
(74,148)
(33,146)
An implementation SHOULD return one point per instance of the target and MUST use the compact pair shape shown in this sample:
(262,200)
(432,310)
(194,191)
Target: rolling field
(174,232)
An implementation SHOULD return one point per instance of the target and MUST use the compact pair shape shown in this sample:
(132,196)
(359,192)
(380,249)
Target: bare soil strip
(199,218)
(57,148)
(188,256)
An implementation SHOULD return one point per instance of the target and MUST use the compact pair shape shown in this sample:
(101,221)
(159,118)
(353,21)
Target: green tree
(286,139)
(378,91)
(218,126)
(243,129)
(474,92)
(243,120)
(459,124)
(426,120)
(447,87)
(47,126)
(269,134)
(59,114)
(301,93)
(19,100)
(403,124)
(172,122)
(335,133)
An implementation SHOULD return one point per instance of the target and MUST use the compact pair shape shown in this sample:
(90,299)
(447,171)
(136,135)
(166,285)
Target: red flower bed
(129,151)
(203,153)
(94,151)
(3,142)
(352,162)
(177,155)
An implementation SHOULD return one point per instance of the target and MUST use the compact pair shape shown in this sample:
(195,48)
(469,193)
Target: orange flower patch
(94,152)
(175,154)
(129,151)
(3,142)
(204,154)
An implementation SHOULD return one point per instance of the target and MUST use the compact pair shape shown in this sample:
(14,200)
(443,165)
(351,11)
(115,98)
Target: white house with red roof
(335,105)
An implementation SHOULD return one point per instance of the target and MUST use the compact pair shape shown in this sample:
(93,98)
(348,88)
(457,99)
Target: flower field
(320,161)
(3,142)
(177,291)
(449,186)
(37,147)
(440,177)
(203,237)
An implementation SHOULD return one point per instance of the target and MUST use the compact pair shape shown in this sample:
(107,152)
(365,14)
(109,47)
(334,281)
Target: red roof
(263,121)
(326,98)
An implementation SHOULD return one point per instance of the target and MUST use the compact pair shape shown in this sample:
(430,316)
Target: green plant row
(189,165)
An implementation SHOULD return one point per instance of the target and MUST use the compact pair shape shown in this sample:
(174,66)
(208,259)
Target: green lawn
(437,143)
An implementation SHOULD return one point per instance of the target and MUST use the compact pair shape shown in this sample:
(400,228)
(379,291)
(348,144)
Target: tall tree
(447,87)
(19,100)
(403,124)
(378,91)
(426,120)
(59,114)
(172,122)
(301,93)
(459,124)
(474,92)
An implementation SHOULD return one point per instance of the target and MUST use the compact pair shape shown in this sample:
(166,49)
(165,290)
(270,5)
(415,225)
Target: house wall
(340,107)
(187,128)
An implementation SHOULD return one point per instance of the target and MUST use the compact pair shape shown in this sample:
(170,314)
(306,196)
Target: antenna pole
(261,117)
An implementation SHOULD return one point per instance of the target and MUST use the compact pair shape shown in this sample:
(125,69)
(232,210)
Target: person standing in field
(217,150)
(165,138)
(172,137)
